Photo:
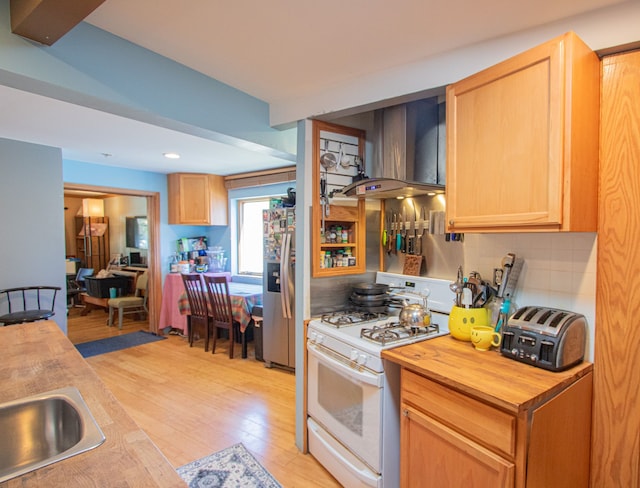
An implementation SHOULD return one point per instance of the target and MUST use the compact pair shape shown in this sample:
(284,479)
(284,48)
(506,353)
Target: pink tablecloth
(170,315)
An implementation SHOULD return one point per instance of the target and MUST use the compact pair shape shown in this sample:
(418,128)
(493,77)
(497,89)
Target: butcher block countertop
(485,375)
(37,357)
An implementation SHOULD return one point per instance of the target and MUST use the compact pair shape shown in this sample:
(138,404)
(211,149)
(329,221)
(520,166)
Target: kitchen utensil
(467,296)
(421,229)
(483,337)
(323,199)
(503,314)
(507,262)
(328,159)
(369,300)
(414,315)
(412,265)
(456,287)
(390,241)
(403,233)
(398,233)
(512,280)
(343,158)
(411,235)
(370,288)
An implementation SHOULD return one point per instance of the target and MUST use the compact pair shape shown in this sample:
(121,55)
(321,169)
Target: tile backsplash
(559,269)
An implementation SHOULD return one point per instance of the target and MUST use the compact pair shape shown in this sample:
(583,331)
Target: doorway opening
(152,258)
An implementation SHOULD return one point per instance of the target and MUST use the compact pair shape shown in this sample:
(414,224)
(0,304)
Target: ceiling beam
(46,21)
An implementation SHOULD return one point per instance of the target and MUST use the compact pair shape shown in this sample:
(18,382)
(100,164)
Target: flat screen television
(137,232)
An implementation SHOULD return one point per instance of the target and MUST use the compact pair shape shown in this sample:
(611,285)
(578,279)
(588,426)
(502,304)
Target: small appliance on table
(353,394)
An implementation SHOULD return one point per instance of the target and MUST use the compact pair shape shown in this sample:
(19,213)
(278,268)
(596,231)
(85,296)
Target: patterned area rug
(115,343)
(231,467)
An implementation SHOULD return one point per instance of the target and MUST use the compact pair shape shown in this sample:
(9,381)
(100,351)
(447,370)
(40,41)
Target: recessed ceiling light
(171,155)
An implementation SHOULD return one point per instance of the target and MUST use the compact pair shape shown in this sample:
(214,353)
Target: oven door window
(348,404)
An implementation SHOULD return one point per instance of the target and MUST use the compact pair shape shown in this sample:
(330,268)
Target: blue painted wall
(32,220)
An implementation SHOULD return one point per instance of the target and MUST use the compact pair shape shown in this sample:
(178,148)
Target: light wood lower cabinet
(438,456)
(450,439)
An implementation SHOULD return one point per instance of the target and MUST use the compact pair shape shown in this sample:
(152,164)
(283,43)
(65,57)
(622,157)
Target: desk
(170,315)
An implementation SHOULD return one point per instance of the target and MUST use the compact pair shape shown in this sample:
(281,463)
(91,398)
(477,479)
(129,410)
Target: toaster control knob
(534,358)
(514,351)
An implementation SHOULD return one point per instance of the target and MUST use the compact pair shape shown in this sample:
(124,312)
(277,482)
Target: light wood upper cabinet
(197,199)
(522,143)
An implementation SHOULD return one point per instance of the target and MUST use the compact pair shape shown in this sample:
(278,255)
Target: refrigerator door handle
(284,276)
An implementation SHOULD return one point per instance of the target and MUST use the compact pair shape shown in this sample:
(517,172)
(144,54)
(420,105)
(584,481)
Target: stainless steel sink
(43,429)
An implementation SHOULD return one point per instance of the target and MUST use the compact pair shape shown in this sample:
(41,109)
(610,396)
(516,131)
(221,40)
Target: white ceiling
(272,50)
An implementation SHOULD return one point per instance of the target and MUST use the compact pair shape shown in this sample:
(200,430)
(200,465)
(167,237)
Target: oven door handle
(345,367)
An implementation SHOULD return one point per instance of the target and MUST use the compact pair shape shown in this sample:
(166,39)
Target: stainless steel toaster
(548,338)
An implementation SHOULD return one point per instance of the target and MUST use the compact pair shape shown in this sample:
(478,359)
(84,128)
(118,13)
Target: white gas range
(353,394)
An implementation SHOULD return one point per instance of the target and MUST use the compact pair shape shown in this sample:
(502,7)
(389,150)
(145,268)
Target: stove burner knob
(354,355)
(362,358)
(319,338)
(312,336)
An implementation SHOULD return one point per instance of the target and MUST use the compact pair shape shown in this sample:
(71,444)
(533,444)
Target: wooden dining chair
(220,306)
(199,318)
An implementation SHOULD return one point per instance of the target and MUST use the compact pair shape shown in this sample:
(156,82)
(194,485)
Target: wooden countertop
(487,376)
(38,357)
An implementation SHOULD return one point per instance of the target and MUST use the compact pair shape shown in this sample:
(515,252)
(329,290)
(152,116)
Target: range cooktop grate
(346,318)
(394,332)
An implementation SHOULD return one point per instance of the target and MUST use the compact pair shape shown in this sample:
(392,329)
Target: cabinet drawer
(488,426)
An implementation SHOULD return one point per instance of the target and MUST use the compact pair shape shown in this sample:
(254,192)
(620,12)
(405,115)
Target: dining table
(243,297)
(173,288)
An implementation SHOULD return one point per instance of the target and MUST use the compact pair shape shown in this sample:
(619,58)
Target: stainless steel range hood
(382,188)
(408,157)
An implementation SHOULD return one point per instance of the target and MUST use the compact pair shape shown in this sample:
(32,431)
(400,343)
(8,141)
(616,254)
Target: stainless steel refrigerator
(278,333)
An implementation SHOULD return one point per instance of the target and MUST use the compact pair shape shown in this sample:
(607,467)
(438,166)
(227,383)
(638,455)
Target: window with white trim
(250,236)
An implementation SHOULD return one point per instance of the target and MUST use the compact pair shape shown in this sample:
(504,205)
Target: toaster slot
(507,340)
(546,351)
(545,316)
(530,315)
(519,313)
(557,319)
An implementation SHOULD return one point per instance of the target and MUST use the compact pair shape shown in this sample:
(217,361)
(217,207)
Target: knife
(411,239)
(421,227)
(403,234)
(384,231)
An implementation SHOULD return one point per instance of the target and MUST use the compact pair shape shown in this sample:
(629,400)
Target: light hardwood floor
(193,403)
